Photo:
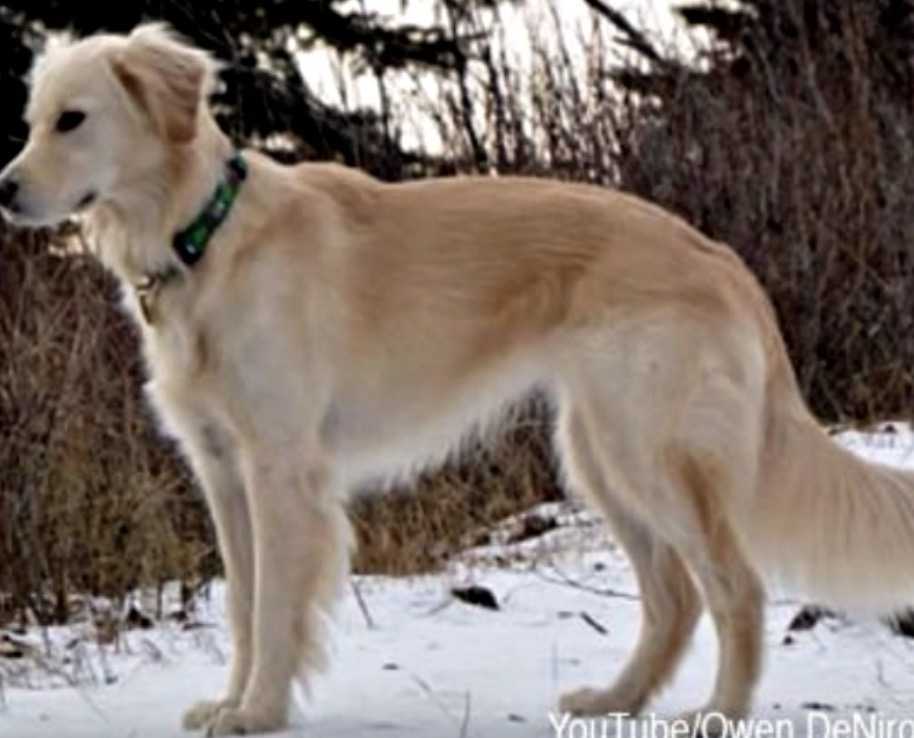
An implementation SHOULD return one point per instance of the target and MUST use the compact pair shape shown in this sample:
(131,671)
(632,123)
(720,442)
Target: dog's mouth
(90,198)
(16,216)
(23,216)
(10,211)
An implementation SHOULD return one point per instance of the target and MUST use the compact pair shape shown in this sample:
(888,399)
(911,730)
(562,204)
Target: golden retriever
(337,328)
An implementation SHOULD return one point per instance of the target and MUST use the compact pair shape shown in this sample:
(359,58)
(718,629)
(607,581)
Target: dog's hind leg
(670,602)
(672,414)
(710,460)
(302,541)
(734,594)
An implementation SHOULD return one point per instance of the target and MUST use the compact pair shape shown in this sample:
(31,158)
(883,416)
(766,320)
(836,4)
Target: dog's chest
(174,353)
(176,385)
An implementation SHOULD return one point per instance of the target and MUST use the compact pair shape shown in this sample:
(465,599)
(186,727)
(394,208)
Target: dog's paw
(231,721)
(596,702)
(202,713)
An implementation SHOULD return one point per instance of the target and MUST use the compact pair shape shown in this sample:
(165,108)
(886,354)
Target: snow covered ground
(433,667)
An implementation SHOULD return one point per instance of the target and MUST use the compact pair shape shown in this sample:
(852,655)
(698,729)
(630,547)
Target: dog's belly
(407,428)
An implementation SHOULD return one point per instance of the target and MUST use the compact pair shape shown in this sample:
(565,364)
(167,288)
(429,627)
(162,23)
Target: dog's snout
(9,188)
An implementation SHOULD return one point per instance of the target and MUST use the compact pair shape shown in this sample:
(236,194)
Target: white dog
(306,327)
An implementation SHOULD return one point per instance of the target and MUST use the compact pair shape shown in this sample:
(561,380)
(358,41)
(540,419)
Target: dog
(308,327)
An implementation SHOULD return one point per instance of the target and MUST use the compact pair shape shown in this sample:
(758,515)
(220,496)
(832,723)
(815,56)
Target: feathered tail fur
(826,522)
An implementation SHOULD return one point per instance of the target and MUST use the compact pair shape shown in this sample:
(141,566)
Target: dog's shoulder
(353,190)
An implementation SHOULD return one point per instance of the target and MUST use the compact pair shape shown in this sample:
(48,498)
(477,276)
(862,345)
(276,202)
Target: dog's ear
(168,80)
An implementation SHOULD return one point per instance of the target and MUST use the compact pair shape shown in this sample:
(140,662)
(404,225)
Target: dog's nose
(9,188)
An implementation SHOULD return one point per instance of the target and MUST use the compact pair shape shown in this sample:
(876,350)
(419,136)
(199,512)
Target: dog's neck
(134,234)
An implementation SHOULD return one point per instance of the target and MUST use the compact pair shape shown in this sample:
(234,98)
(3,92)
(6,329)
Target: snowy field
(430,666)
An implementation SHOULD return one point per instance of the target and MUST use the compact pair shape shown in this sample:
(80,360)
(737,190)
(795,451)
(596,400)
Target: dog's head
(104,114)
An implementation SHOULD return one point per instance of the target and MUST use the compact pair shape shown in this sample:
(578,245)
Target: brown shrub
(799,154)
(91,500)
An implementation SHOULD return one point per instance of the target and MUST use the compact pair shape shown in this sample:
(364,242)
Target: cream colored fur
(339,329)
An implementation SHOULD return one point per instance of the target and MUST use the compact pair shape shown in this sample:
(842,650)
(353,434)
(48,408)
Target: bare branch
(633,37)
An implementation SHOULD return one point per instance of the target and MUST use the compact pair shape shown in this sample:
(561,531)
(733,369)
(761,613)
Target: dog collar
(190,244)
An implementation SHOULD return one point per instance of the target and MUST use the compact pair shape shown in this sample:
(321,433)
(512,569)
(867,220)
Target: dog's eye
(70,120)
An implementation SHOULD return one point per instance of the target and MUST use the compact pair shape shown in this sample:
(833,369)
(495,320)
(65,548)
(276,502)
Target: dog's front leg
(215,460)
(302,540)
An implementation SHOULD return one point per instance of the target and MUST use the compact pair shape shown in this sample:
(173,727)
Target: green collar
(190,244)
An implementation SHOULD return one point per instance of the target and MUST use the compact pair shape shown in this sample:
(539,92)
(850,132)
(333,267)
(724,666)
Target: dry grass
(417,527)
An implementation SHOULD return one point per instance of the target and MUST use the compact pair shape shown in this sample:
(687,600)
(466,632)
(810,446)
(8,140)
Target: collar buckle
(148,288)
(147,292)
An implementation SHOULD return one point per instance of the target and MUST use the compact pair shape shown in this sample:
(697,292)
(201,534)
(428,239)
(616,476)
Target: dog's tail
(824,521)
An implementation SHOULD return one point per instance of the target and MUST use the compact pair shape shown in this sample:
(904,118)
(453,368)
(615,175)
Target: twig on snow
(592,622)
(465,726)
(369,621)
(564,579)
